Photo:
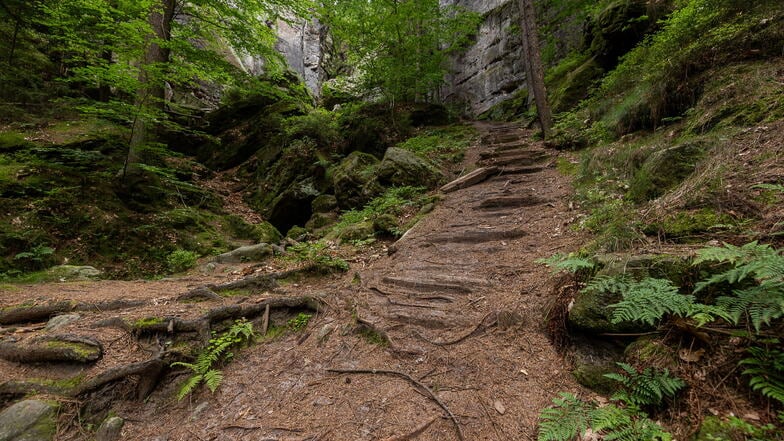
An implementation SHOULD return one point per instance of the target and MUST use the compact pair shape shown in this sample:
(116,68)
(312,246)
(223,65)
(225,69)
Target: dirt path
(446,332)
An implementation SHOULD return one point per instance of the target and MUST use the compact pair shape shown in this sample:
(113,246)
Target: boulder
(324,203)
(29,420)
(61,321)
(358,231)
(591,360)
(401,167)
(318,221)
(73,273)
(250,253)
(354,180)
(110,429)
(589,313)
(386,224)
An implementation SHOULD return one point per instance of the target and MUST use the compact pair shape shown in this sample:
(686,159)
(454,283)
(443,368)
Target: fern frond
(608,284)
(649,387)
(649,300)
(566,419)
(766,368)
(213,379)
(189,386)
(762,304)
(563,262)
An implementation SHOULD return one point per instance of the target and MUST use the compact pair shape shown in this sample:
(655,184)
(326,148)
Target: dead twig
(413,381)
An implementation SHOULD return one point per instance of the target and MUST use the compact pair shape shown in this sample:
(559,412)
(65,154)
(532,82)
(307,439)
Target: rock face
(29,420)
(250,253)
(301,43)
(492,70)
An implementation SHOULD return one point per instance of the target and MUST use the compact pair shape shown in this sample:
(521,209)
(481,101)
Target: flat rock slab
(473,178)
(428,285)
(28,420)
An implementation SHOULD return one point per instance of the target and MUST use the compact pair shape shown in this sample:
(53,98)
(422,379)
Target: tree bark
(151,93)
(533,65)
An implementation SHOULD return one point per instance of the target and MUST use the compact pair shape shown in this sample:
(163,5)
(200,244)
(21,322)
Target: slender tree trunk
(151,94)
(533,63)
(14,39)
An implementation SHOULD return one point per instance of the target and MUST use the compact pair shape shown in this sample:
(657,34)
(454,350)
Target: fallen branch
(424,389)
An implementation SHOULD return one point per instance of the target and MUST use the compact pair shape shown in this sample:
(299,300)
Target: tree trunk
(151,94)
(533,65)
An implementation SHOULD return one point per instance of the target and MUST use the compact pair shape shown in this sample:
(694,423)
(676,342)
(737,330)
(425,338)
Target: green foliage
(299,322)
(757,272)
(393,202)
(647,388)
(570,417)
(567,262)
(400,49)
(36,256)
(218,352)
(442,145)
(317,253)
(765,368)
(181,260)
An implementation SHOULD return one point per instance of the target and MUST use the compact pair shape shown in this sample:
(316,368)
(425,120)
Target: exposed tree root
(424,389)
(481,326)
(418,431)
(59,348)
(37,313)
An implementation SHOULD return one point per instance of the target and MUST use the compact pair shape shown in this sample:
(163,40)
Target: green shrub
(181,260)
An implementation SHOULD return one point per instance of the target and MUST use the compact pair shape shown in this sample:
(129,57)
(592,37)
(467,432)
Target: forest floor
(439,336)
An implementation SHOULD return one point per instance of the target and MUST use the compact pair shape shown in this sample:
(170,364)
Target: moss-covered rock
(29,420)
(688,226)
(665,169)
(590,313)
(324,203)
(319,221)
(650,351)
(354,180)
(591,360)
(616,29)
(572,86)
(676,268)
(386,224)
(73,273)
(403,168)
(357,231)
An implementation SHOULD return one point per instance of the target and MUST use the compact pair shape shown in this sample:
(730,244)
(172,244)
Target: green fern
(568,417)
(763,301)
(649,300)
(567,262)
(217,351)
(646,388)
(766,368)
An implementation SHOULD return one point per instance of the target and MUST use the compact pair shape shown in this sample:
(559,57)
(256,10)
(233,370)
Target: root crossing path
(442,339)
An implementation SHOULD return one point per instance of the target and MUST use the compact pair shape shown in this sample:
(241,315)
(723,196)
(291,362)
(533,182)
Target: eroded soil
(440,336)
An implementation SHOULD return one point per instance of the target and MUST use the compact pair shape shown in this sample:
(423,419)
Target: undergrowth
(206,368)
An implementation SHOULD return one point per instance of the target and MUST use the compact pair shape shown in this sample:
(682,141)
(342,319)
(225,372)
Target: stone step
(517,160)
(421,284)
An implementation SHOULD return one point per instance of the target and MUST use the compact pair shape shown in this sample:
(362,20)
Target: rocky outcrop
(301,45)
(492,70)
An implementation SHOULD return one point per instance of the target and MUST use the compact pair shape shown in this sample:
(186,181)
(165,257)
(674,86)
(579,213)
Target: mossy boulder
(386,224)
(354,180)
(616,29)
(324,203)
(665,169)
(357,231)
(401,168)
(73,273)
(29,420)
(591,360)
(650,351)
(319,221)
(590,313)
(673,267)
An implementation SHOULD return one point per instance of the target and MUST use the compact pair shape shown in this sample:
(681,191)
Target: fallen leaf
(499,407)
(691,356)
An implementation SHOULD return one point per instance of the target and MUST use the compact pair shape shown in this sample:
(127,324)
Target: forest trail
(445,332)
